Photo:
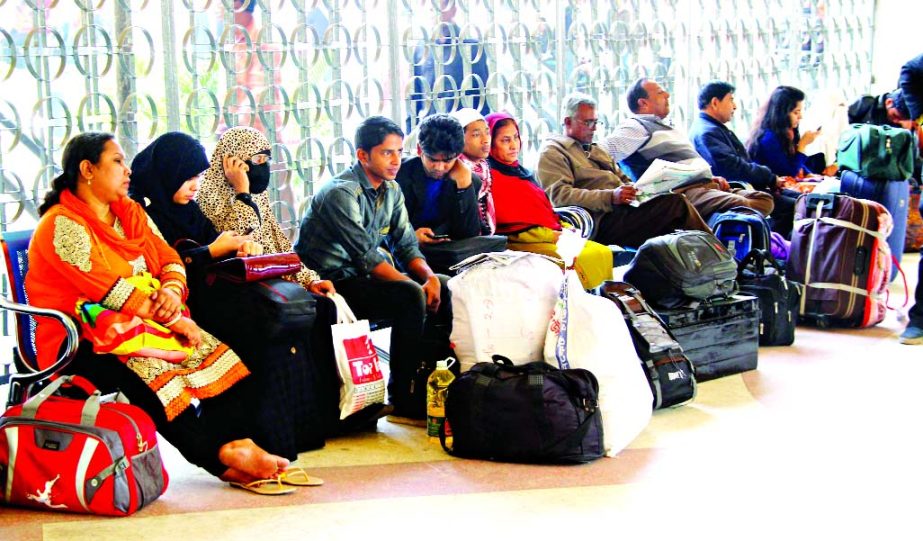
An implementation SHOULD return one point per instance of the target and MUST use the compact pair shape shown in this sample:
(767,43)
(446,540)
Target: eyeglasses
(260,158)
(588,123)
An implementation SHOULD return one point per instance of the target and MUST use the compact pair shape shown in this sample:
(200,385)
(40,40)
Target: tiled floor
(823,441)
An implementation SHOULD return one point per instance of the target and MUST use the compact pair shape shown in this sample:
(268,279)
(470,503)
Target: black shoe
(364,420)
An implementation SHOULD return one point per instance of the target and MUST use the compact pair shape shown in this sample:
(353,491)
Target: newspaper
(663,176)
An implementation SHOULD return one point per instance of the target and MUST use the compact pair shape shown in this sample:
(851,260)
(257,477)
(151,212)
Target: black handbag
(760,275)
(529,413)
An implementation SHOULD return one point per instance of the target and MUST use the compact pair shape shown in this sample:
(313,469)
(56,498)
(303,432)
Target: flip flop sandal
(299,478)
(265,487)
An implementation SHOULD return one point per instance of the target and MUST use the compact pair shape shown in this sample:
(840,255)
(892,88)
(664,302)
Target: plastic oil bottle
(436,387)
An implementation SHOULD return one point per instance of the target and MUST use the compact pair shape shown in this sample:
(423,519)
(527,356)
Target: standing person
(776,140)
(647,136)
(911,83)
(93,243)
(474,155)
(728,157)
(524,212)
(233,196)
(576,171)
(298,365)
(350,217)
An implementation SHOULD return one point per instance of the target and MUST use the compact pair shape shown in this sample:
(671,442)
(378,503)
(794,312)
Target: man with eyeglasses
(576,171)
(440,193)
(646,136)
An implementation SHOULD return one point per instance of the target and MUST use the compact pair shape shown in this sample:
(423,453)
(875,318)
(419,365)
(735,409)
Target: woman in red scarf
(94,245)
(524,212)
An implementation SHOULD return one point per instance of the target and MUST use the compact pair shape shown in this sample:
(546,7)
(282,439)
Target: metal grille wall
(308,72)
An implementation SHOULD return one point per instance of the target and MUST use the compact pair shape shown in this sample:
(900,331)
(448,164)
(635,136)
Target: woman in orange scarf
(94,246)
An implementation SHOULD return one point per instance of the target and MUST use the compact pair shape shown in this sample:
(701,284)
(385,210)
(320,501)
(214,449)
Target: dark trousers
(782,219)
(402,305)
(916,311)
(198,433)
(630,226)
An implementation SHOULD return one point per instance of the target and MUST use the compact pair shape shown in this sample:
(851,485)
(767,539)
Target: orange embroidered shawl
(75,256)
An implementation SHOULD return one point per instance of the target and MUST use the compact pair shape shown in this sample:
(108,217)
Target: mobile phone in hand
(438,237)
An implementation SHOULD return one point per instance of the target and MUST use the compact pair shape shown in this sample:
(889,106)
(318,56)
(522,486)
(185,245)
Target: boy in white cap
(474,155)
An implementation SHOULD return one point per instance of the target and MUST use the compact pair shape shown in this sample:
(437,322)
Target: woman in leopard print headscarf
(233,196)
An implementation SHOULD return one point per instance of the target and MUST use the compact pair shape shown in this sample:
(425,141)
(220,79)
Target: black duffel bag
(762,276)
(685,266)
(529,413)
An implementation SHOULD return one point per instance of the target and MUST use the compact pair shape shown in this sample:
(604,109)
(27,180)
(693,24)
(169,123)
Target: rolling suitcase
(893,194)
(720,337)
(840,254)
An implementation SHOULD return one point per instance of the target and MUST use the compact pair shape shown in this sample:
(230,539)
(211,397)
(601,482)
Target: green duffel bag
(877,152)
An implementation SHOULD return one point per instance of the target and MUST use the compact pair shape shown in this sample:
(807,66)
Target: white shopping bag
(357,361)
(587,331)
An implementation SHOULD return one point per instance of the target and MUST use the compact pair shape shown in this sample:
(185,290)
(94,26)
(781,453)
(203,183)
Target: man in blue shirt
(728,157)
(359,210)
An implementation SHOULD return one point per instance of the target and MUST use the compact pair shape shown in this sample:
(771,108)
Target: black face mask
(259,177)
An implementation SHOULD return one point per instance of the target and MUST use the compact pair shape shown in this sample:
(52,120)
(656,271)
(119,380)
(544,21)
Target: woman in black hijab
(165,180)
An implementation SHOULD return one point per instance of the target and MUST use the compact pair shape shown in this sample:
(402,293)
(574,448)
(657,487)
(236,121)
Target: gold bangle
(173,284)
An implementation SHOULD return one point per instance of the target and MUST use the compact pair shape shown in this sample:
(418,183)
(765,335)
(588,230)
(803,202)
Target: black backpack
(672,270)
(529,413)
(669,372)
(761,275)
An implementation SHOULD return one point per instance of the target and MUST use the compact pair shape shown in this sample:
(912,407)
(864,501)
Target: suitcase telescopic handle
(823,199)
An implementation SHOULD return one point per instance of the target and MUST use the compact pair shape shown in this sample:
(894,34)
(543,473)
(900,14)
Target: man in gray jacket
(575,171)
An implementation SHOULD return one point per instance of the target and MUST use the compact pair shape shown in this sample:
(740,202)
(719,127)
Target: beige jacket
(572,177)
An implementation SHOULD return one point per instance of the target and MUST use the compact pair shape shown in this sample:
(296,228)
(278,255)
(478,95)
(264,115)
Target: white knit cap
(466,116)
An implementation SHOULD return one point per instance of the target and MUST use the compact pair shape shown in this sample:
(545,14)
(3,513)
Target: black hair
(773,117)
(373,130)
(714,89)
(441,134)
(897,102)
(83,146)
(636,92)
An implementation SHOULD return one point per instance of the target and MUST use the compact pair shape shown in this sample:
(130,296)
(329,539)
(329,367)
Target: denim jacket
(348,220)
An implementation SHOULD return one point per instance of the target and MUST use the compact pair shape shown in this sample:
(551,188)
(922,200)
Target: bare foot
(248,462)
